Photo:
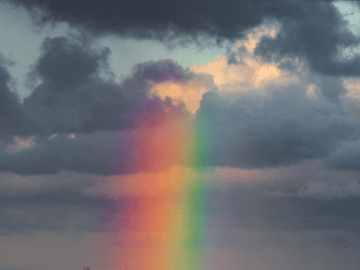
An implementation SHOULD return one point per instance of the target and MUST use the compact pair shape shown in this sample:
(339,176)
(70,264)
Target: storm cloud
(346,158)
(314,31)
(85,122)
(271,132)
(73,97)
(318,35)
(255,131)
(158,19)
(13,119)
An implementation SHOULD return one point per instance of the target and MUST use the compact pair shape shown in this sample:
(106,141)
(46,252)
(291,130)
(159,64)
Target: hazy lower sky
(130,127)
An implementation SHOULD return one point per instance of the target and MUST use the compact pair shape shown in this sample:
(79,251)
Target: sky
(166,135)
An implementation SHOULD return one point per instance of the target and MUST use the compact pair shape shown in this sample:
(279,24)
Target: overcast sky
(100,100)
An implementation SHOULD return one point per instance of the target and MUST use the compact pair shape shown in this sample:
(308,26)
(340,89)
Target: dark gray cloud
(239,215)
(102,153)
(50,202)
(312,30)
(275,129)
(317,34)
(243,208)
(255,131)
(251,132)
(309,214)
(159,19)
(13,120)
(331,87)
(67,62)
(346,158)
(84,153)
(73,97)
(53,211)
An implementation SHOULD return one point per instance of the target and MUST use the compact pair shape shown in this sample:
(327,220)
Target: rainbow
(162,224)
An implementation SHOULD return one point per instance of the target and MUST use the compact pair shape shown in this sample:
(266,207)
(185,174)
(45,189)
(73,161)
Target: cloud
(12,268)
(322,190)
(265,125)
(86,153)
(52,212)
(102,153)
(247,72)
(311,30)
(190,92)
(74,97)
(256,131)
(66,62)
(13,120)
(346,158)
(50,203)
(156,19)
(323,185)
(317,34)
(249,208)
(251,132)
(272,125)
